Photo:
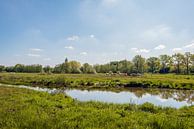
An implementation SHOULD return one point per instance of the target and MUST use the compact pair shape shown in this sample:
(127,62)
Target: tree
(9,69)
(47,69)
(57,68)
(125,66)
(97,68)
(86,68)
(153,64)
(192,61)
(187,61)
(2,68)
(19,68)
(75,67)
(114,66)
(139,63)
(178,61)
(165,61)
(105,68)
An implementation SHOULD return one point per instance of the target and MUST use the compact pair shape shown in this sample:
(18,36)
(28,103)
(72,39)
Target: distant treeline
(177,63)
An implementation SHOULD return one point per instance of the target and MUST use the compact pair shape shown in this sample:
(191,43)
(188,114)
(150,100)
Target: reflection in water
(162,97)
(178,95)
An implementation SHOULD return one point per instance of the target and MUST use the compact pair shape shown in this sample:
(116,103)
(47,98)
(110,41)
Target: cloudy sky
(93,31)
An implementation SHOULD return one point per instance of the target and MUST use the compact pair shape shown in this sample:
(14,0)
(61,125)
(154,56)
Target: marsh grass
(24,108)
(170,81)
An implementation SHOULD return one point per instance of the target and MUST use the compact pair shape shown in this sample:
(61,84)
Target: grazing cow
(135,74)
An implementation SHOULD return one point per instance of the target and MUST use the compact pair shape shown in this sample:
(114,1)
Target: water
(160,97)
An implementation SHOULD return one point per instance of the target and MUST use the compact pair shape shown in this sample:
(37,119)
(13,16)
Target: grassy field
(23,108)
(100,80)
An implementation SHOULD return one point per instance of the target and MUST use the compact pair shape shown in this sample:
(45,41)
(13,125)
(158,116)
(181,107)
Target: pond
(159,97)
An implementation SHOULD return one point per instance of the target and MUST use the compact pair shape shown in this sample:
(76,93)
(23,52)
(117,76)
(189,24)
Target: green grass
(100,80)
(23,108)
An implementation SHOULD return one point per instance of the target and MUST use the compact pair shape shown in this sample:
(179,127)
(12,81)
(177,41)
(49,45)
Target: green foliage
(111,80)
(153,64)
(166,63)
(139,64)
(86,68)
(47,69)
(23,108)
(2,68)
(177,63)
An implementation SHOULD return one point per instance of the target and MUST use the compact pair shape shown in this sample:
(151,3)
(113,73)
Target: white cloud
(160,47)
(83,53)
(73,38)
(36,49)
(92,36)
(177,49)
(69,47)
(187,48)
(140,50)
(191,45)
(33,55)
(144,50)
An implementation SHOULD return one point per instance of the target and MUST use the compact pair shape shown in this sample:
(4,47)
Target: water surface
(160,97)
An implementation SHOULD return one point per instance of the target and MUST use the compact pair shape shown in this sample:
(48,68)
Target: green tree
(87,68)
(9,69)
(97,68)
(165,61)
(75,67)
(139,63)
(178,61)
(105,68)
(2,68)
(125,66)
(187,61)
(192,61)
(19,68)
(114,66)
(57,68)
(47,69)
(153,64)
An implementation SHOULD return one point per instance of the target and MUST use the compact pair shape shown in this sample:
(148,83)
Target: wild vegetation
(23,108)
(172,81)
(177,63)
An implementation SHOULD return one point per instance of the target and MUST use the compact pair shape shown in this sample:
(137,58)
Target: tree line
(177,63)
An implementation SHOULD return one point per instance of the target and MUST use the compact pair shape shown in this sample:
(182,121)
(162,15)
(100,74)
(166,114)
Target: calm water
(162,97)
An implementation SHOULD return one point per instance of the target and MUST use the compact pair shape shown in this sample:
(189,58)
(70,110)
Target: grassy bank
(100,80)
(23,108)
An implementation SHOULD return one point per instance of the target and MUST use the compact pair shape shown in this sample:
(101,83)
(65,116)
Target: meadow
(24,108)
(171,81)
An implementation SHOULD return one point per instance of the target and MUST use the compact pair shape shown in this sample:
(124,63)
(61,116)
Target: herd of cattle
(124,74)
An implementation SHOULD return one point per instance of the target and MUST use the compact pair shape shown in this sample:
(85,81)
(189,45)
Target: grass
(100,80)
(24,108)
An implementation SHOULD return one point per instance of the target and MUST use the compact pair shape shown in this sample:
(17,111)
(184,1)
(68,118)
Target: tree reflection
(178,95)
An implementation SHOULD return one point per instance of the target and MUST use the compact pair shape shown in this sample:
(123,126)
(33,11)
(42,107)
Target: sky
(94,31)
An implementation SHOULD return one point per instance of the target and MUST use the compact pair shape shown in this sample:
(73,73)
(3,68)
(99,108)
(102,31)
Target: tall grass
(100,80)
(23,108)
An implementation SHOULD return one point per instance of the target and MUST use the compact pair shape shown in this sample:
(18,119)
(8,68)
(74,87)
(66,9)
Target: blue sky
(93,31)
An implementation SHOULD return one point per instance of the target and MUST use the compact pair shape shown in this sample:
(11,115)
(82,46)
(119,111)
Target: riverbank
(170,81)
(158,97)
(24,108)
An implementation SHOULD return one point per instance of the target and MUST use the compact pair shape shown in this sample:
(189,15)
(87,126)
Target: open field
(23,108)
(99,80)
